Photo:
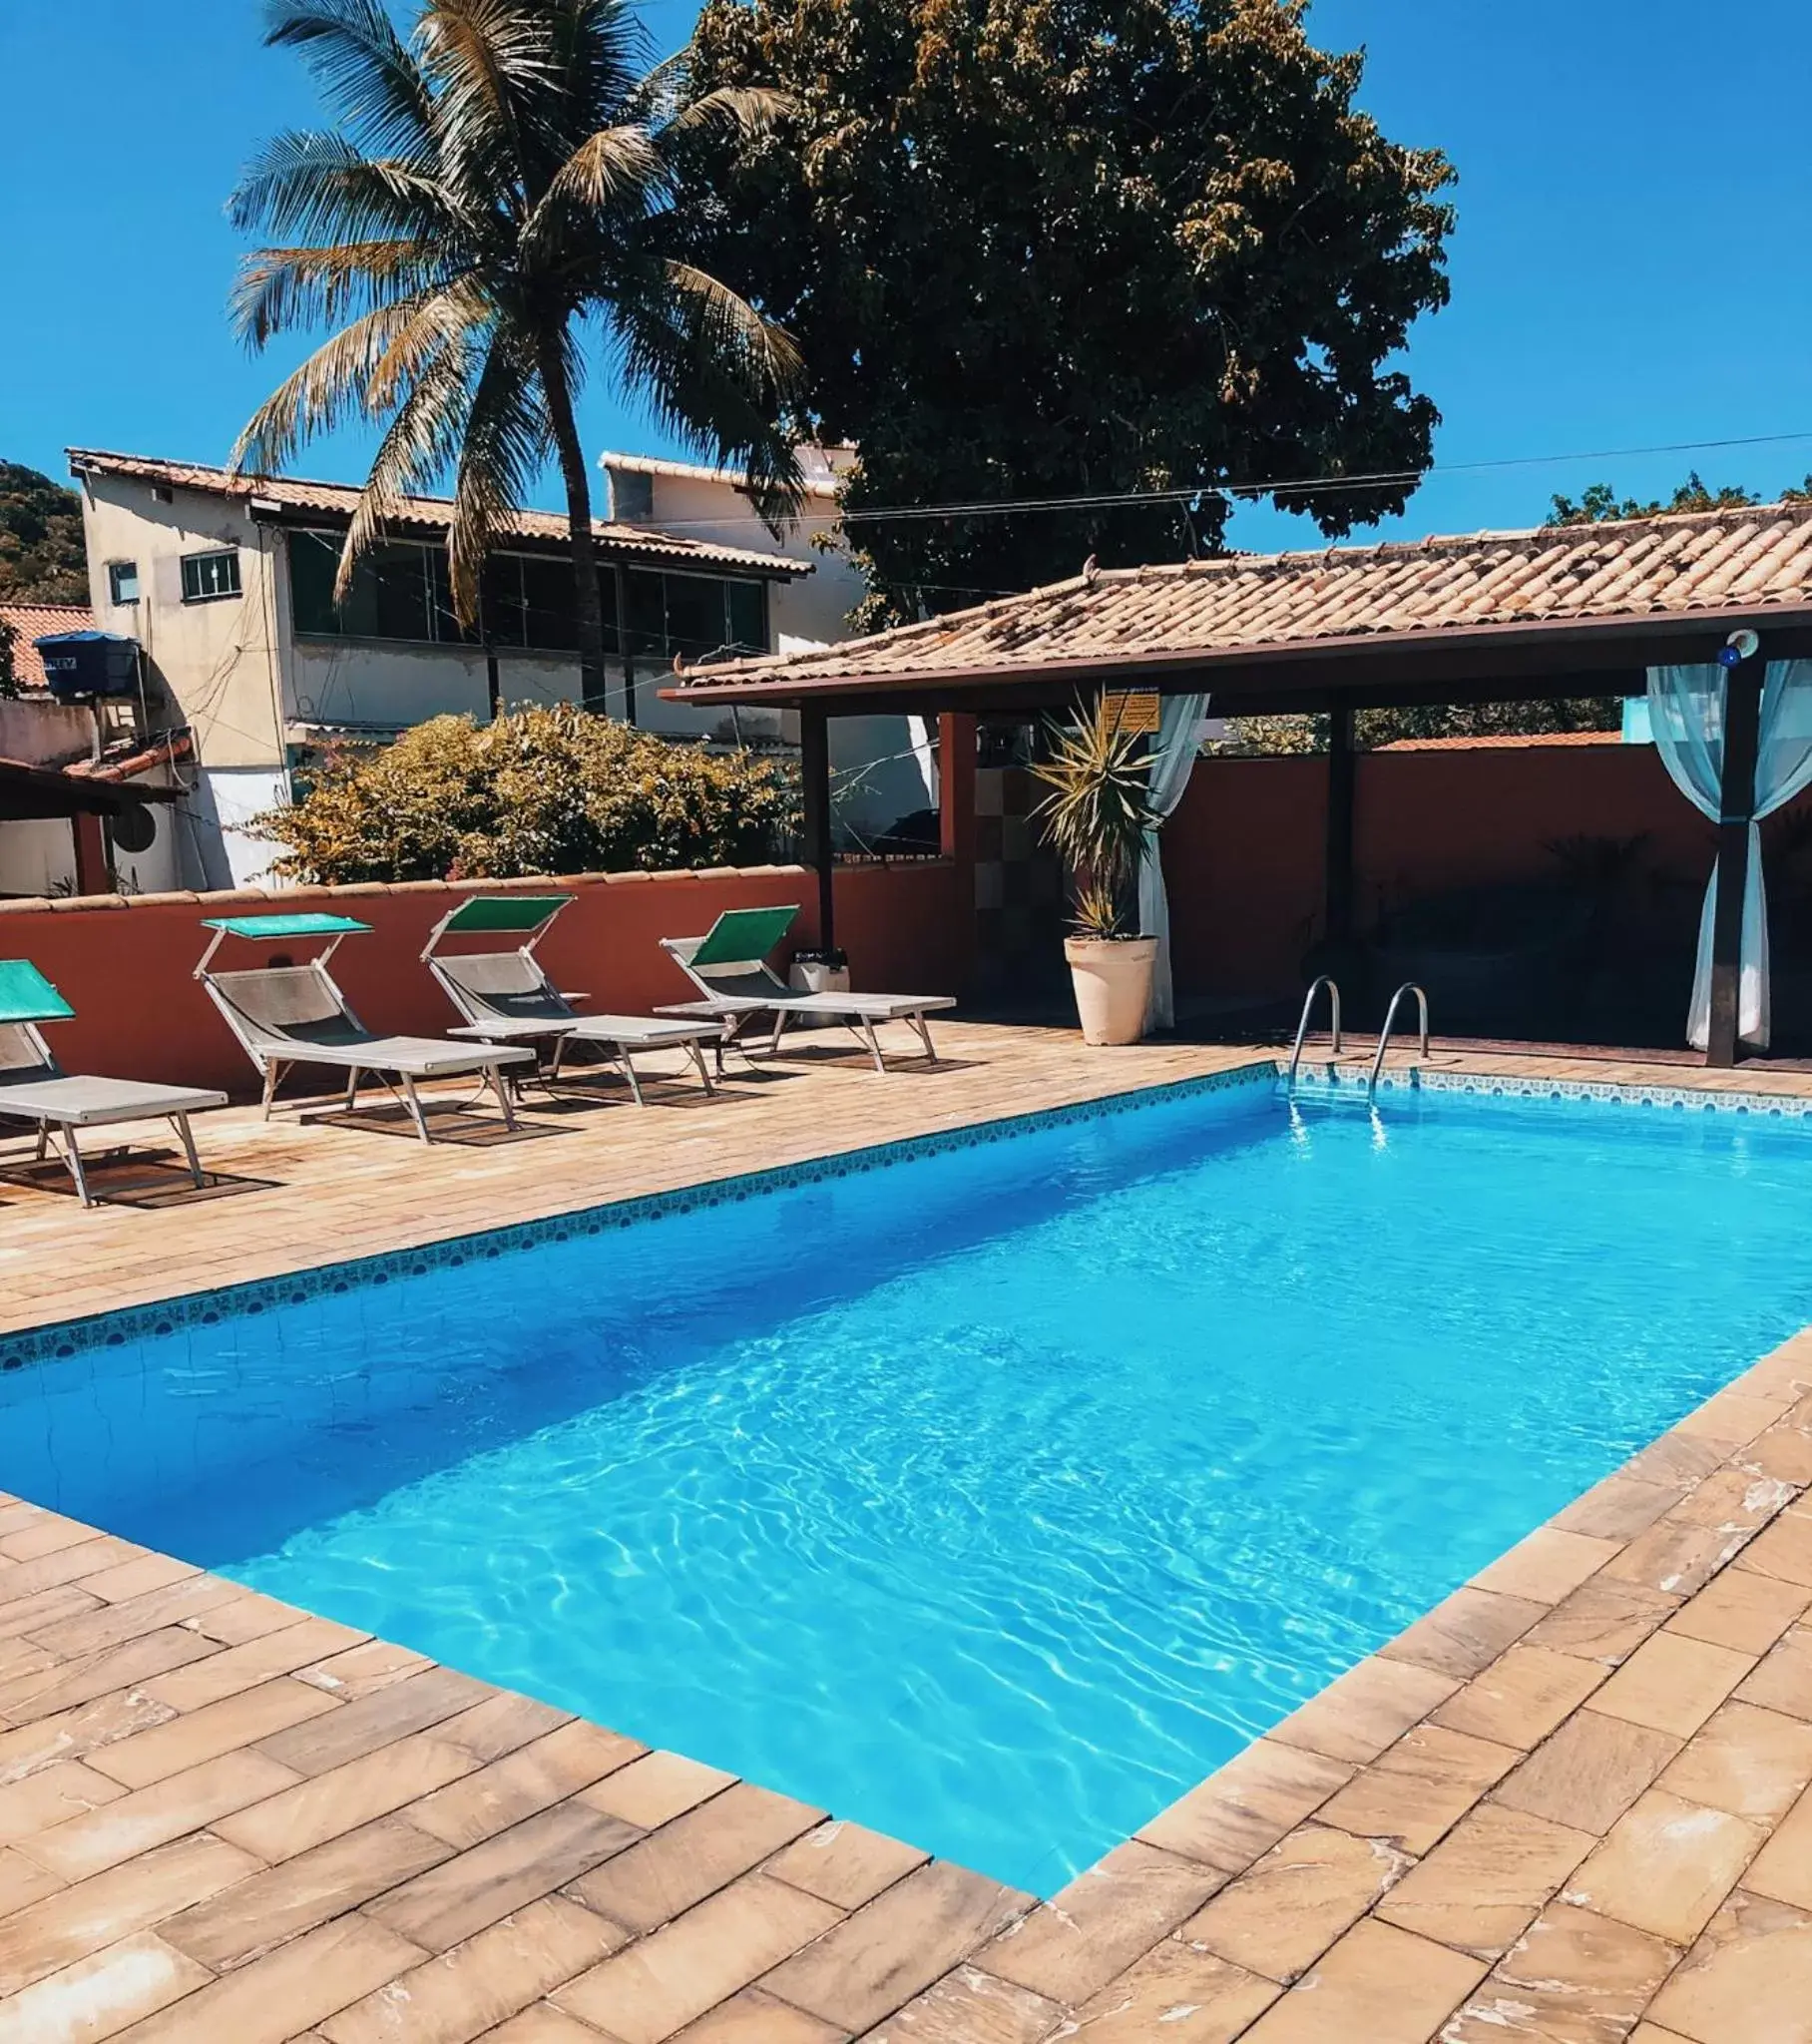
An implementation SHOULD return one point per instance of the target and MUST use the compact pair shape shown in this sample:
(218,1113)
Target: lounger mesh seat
(729,965)
(35,1089)
(507,996)
(287,1015)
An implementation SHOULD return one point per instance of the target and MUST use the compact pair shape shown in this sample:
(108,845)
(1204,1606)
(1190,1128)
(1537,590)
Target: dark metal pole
(1341,763)
(815,774)
(1736,807)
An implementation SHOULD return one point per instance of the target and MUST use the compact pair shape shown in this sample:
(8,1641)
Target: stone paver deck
(1573,1803)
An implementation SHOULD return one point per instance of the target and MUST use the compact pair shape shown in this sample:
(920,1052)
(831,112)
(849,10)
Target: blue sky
(1632,266)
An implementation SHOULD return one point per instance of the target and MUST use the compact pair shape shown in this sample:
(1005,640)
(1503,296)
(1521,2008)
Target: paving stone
(532,1779)
(873,1962)
(1742,1609)
(227,1671)
(134,1823)
(1589,1771)
(23,1880)
(1784,1550)
(1378,1985)
(1487,1882)
(1576,1977)
(1244,1807)
(1618,1508)
(644,1994)
(329,1804)
(45,1691)
(1546,1566)
(501,1724)
(1783,1867)
(114,1623)
(1424,1785)
(1783,1681)
(1365,1710)
(470,1989)
(656,1788)
(1604,1619)
(544,2024)
(1465,1633)
(1304,1894)
(1748,1977)
(1672,1684)
(1751,1761)
(106,1726)
(752,2017)
(671,1869)
(1521,1697)
(467,1893)
(844,1864)
(52,1796)
(173,1745)
(1667,1865)
(360,1670)
(102,1994)
(266,1908)
(348,1732)
(1178,1992)
(1100,1923)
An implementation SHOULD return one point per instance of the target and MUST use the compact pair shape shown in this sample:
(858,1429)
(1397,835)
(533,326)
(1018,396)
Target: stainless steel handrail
(1308,1008)
(1409,986)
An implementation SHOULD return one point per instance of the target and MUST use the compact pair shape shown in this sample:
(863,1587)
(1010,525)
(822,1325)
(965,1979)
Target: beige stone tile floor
(1573,1803)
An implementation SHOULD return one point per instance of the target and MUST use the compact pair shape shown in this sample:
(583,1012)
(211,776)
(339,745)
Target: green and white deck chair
(288,1015)
(35,1088)
(729,965)
(507,996)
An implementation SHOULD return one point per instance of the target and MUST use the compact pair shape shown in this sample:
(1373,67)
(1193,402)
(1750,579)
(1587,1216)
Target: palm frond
(363,66)
(324,392)
(458,314)
(320,187)
(1098,813)
(420,444)
(281,289)
(735,109)
(491,64)
(505,443)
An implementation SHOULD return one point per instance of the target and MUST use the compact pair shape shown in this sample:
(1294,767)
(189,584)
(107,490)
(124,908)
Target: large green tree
(1037,251)
(498,196)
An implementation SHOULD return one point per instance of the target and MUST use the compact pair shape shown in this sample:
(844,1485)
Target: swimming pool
(992,1497)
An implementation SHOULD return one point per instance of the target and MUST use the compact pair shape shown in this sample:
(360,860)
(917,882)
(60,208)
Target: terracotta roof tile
(38,621)
(427,514)
(1661,568)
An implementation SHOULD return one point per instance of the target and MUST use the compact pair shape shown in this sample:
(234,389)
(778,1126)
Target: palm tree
(498,183)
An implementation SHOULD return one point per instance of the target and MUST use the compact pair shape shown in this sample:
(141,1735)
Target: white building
(883,768)
(226,583)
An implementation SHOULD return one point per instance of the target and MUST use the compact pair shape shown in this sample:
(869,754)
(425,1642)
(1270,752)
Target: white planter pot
(1113,979)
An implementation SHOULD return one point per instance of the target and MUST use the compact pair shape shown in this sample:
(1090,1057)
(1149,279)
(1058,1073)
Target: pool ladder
(1409,986)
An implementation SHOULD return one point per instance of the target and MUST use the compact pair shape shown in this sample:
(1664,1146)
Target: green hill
(41,553)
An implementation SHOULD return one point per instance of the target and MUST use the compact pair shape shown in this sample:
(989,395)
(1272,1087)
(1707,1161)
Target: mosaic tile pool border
(1703,1099)
(57,1340)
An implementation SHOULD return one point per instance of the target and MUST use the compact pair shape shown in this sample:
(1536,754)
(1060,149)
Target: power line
(1186,493)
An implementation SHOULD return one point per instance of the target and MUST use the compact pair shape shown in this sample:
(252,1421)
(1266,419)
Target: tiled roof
(1649,568)
(427,514)
(129,758)
(38,621)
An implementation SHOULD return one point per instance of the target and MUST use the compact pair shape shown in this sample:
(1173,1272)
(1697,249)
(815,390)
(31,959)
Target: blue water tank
(86,664)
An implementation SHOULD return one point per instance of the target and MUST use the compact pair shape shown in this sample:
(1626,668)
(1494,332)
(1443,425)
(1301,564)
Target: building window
(695,615)
(208,577)
(123,581)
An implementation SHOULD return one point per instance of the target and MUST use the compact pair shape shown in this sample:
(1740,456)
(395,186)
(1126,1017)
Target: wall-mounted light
(1740,646)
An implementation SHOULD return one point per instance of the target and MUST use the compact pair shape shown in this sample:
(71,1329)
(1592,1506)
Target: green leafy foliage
(1031,250)
(42,557)
(1096,810)
(552,790)
(1601,504)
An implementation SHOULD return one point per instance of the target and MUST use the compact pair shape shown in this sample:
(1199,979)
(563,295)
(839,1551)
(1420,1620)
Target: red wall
(1244,855)
(127,966)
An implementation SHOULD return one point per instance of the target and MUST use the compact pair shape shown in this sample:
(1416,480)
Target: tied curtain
(1687,713)
(1171,761)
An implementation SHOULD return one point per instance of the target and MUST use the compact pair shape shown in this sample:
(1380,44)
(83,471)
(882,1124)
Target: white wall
(218,851)
(43,731)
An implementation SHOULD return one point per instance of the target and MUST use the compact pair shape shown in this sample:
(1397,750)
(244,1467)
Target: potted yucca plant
(1097,813)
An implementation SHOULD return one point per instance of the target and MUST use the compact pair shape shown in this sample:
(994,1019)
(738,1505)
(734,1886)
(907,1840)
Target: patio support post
(92,875)
(1341,763)
(1736,807)
(815,772)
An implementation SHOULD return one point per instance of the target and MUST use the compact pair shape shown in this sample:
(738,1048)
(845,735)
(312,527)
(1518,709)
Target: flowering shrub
(552,790)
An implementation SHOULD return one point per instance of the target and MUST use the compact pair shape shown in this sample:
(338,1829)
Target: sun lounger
(288,1015)
(729,965)
(507,996)
(35,1088)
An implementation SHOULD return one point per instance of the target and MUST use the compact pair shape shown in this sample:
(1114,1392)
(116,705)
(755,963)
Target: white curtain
(1173,760)
(1687,711)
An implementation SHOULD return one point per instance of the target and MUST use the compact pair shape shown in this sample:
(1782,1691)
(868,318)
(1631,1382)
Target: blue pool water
(990,1499)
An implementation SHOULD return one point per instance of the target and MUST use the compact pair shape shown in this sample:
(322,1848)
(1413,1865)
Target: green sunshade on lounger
(505,913)
(742,936)
(27,996)
(284,925)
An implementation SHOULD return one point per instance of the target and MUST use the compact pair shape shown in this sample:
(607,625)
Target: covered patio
(1709,615)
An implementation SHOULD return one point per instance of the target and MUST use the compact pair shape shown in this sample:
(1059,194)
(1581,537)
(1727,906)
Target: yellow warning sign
(1134,709)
